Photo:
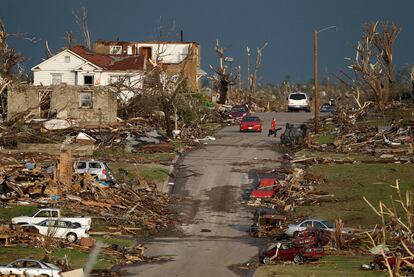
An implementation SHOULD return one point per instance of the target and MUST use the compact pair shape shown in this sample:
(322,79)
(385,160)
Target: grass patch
(154,173)
(328,266)
(124,242)
(6,214)
(77,259)
(324,138)
(349,182)
(120,153)
(129,171)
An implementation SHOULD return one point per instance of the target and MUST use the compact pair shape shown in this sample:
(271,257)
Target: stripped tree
(374,63)
(252,76)
(222,77)
(81,19)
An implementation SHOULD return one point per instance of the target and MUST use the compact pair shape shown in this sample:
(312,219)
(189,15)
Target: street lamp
(315,64)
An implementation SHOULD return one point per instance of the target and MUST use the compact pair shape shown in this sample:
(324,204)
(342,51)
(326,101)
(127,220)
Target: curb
(168,185)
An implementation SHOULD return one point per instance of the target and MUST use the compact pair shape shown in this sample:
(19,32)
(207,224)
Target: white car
(298,101)
(29,267)
(49,213)
(59,229)
(294,229)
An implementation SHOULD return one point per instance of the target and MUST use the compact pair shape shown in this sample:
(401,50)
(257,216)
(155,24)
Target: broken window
(67,59)
(81,165)
(43,214)
(88,80)
(56,78)
(85,100)
(94,165)
(115,50)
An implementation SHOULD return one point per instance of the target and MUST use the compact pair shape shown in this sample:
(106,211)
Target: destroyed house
(176,57)
(81,67)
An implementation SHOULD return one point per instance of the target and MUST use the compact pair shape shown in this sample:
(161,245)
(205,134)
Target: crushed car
(312,237)
(266,189)
(95,168)
(266,221)
(286,251)
(293,134)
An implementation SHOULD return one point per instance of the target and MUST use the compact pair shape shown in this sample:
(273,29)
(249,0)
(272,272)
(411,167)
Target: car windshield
(251,119)
(297,96)
(328,224)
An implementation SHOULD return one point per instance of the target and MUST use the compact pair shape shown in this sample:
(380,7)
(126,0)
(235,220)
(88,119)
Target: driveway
(212,239)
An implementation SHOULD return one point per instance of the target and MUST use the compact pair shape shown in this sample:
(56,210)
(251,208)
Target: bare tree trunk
(167,109)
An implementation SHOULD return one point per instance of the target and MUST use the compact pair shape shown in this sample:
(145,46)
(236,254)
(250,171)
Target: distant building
(177,57)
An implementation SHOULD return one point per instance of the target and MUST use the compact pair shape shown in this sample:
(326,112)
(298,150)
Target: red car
(251,123)
(312,237)
(265,190)
(238,112)
(289,252)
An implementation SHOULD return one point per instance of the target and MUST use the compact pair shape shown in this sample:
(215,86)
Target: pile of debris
(131,208)
(351,137)
(276,202)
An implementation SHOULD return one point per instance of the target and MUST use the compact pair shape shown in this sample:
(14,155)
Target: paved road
(210,181)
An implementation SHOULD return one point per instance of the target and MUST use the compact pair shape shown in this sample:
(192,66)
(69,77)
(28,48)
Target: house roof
(113,43)
(110,62)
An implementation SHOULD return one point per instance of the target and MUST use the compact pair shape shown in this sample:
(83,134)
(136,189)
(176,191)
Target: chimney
(182,36)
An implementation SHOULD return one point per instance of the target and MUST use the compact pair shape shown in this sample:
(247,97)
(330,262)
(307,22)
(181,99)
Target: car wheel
(308,110)
(295,234)
(44,275)
(298,259)
(71,237)
(265,260)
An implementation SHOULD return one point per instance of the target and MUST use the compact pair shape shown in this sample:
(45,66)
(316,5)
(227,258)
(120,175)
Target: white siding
(167,52)
(44,77)
(57,62)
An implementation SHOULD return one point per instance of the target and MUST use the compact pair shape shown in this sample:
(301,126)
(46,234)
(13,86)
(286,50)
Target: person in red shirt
(273,125)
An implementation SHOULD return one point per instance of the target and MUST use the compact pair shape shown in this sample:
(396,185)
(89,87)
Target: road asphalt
(212,239)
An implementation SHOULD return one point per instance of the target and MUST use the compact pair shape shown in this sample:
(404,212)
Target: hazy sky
(287,25)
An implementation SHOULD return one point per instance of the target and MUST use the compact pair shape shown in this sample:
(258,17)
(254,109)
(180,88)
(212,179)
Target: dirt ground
(212,237)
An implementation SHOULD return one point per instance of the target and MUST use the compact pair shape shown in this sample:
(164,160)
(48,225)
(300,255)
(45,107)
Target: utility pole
(315,63)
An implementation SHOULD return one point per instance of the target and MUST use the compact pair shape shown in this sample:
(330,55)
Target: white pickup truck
(43,214)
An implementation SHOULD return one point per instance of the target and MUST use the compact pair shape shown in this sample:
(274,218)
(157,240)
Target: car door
(305,224)
(319,225)
(33,268)
(81,167)
(16,268)
(62,229)
(94,168)
(42,215)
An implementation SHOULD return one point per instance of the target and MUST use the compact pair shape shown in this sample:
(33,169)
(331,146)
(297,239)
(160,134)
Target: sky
(287,26)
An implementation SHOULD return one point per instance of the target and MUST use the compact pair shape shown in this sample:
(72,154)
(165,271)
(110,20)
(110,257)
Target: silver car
(294,229)
(29,267)
(95,168)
